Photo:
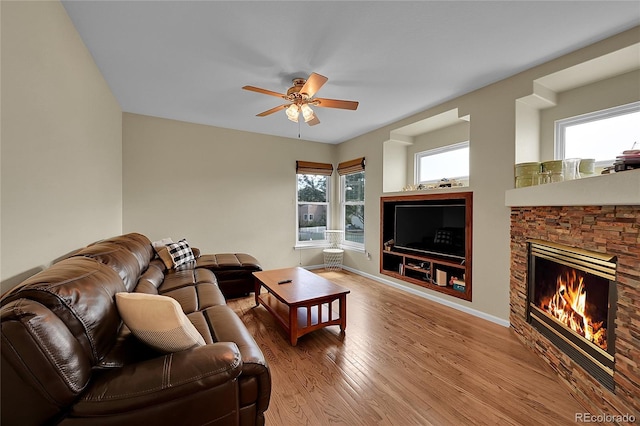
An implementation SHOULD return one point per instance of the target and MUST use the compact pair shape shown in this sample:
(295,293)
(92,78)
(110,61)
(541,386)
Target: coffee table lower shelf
(299,320)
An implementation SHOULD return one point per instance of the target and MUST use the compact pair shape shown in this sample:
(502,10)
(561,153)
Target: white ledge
(621,189)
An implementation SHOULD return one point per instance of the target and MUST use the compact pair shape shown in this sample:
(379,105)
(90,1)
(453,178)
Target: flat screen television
(436,229)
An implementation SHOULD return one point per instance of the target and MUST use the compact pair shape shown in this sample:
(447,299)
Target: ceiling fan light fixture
(300,98)
(293,112)
(307,112)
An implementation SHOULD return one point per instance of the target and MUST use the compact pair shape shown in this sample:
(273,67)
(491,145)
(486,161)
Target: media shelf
(442,273)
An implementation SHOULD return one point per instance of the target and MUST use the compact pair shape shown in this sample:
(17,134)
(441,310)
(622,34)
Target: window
(313,182)
(450,162)
(602,135)
(352,202)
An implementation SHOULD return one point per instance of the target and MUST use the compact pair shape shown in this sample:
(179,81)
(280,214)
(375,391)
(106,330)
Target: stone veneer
(614,230)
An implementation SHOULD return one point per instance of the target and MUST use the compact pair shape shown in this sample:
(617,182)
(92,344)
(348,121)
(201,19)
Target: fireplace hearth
(572,302)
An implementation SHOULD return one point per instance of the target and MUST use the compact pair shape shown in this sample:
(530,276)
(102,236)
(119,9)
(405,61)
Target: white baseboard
(312,267)
(466,309)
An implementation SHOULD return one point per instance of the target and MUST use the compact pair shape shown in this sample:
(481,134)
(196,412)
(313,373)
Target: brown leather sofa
(67,357)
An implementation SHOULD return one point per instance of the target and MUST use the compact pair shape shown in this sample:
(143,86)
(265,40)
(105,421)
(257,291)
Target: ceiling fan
(300,97)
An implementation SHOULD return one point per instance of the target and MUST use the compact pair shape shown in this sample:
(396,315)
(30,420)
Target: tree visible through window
(313,207)
(353,207)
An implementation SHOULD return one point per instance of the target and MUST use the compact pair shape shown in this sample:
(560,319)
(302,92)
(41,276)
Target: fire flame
(568,305)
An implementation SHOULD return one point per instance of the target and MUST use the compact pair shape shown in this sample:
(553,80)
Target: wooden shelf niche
(431,266)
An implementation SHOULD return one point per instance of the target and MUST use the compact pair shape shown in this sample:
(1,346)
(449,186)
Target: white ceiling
(187,60)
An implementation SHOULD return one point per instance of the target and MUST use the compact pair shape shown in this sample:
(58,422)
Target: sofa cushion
(194,387)
(43,365)
(221,324)
(161,243)
(160,247)
(229,262)
(158,321)
(197,297)
(118,258)
(165,256)
(186,277)
(150,280)
(127,349)
(181,253)
(138,244)
(80,291)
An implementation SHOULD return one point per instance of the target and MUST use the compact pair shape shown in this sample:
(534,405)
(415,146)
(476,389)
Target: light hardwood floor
(404,360)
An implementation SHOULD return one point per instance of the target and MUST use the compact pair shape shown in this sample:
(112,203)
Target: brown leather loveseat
(67,357)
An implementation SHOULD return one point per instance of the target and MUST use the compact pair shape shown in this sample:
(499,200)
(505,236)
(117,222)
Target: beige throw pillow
(158,321)
(161,249)
(165,256)
(161,243)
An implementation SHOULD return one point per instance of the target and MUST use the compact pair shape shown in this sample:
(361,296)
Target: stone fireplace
(610,233)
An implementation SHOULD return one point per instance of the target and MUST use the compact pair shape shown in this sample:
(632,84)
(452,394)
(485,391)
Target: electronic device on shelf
(437,229)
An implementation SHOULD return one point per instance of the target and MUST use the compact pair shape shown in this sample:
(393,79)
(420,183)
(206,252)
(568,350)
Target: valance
(311,168)
(351,166)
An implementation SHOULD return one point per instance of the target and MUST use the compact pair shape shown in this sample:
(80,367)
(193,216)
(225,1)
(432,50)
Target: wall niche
(426,241)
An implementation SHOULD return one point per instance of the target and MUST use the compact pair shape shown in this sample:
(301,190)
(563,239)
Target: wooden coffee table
(303,304)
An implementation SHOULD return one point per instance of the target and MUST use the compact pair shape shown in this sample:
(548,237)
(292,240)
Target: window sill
(359,249)
(318,245)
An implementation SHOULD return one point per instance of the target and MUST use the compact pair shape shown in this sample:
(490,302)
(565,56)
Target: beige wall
(223,190)
(394,166)
(527,136)
(61,141)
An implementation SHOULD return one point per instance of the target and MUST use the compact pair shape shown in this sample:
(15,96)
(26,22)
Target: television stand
(436,273)
(444,274)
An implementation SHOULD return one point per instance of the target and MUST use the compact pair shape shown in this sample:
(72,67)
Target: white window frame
(312,243)
(351,245)
(433,152)
(561,125)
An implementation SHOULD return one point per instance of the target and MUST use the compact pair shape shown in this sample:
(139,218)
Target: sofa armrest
(152,388)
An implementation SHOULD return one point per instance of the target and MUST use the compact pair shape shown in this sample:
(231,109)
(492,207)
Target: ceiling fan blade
(335,103)
(313,84)
(313,121)
(272,110)
(264,91)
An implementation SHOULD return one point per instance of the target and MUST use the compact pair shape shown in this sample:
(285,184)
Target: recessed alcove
(426,240)
(597,84)
(440,130)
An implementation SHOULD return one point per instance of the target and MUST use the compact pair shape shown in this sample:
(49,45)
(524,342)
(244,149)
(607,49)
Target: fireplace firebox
(572,302)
